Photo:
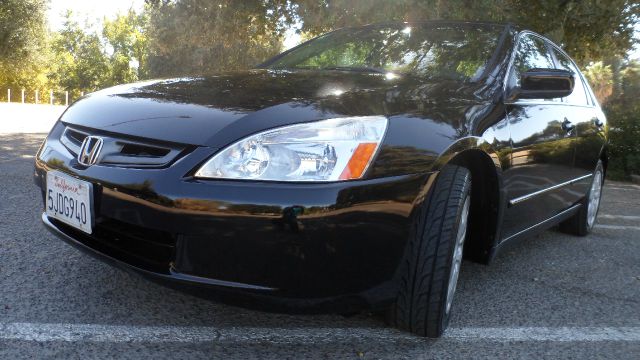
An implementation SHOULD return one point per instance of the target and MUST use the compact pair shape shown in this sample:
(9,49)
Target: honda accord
(354,171)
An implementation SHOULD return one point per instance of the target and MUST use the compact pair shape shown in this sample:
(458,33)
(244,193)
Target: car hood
(217,110)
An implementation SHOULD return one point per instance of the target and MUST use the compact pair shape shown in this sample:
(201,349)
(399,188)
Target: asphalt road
(552,296)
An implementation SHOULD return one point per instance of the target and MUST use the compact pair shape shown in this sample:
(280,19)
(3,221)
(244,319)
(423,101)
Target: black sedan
(351,172)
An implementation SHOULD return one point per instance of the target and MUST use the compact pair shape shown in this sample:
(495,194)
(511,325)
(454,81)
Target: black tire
(421,303)
(579,223)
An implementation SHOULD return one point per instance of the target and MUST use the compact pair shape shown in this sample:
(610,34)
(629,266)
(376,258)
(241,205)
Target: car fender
(458,152)
(466,144)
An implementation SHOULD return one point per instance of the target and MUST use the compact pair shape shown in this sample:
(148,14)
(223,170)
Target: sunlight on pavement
(28,118)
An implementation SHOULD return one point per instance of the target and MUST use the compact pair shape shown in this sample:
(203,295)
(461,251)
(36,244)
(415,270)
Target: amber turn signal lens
(359,161)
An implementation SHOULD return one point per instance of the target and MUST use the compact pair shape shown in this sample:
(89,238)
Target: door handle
(567,125)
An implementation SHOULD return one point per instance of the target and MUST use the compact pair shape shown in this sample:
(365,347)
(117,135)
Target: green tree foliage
(188,37)
(589,30)
(623,112)
(85,61)
(201,37)
(79,60)
(320,16)
(600,77)
(22,38)
(127,41)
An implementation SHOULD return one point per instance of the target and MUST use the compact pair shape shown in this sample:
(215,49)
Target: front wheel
(583,221)
(431,265)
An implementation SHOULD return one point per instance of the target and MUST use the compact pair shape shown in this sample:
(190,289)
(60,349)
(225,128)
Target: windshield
(426,50)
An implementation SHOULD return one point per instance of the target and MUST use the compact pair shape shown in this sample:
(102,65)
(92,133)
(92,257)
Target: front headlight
(327,150)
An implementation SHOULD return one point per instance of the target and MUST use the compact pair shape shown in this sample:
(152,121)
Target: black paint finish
(316,244)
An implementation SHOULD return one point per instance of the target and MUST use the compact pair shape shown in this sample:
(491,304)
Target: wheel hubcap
(594,198)
(457,253)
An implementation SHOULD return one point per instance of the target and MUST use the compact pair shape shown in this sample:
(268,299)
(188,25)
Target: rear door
(543,142)
(582,111)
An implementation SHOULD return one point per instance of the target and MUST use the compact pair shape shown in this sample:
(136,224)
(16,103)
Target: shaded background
(166,38)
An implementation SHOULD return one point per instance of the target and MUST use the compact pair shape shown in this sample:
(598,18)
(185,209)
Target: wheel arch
(487,204)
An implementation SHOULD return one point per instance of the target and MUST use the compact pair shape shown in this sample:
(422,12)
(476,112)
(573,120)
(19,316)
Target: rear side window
(531,53)
(578,96)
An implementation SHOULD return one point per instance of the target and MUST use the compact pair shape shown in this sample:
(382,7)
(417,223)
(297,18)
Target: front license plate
(70,200)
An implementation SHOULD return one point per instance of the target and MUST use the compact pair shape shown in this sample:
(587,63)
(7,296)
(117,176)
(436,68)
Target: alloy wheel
(457,253)
(594,198)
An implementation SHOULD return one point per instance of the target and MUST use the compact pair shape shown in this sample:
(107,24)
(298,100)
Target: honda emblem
(90,150)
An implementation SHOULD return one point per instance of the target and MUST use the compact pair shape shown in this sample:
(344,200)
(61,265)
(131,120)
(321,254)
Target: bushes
(623,114)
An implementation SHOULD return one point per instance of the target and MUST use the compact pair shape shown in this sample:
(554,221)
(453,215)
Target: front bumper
(297,244)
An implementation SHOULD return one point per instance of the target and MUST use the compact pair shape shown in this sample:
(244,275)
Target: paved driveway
(552,296)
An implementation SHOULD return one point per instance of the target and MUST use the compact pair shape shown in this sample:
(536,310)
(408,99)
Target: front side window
(578,96)
(429,51)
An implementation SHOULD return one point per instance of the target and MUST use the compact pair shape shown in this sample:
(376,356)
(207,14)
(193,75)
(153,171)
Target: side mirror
(544,84)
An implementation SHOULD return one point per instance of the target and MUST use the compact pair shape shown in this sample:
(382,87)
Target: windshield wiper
(356,69)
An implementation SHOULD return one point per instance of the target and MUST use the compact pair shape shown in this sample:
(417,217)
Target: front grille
(123,152)
(144,248)
(74,137)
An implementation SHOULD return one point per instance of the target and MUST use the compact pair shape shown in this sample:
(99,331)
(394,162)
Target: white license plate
(70,200)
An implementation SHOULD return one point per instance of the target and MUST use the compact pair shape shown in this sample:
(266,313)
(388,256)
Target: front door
(543,142)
